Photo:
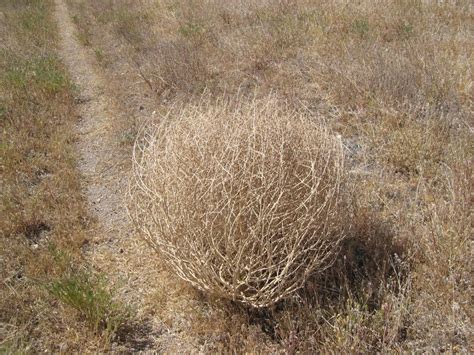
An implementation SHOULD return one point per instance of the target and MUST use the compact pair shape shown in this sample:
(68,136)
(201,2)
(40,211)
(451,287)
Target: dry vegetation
(242,202)
(393,78)
(395,81)
(49,299)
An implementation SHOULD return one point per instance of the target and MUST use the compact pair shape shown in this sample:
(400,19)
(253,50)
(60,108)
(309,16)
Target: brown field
(392,79)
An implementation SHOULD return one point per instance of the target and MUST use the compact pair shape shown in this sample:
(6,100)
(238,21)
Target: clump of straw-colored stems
(242,201)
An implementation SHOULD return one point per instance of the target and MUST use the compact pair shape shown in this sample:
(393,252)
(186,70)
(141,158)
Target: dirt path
(104,166)
(100,164)
(111,249)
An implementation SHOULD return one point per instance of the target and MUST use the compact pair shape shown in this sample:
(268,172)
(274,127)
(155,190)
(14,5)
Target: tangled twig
(242,202)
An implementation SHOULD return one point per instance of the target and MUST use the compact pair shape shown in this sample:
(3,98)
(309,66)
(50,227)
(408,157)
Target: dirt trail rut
(98,148)
(104,166)
(105,163)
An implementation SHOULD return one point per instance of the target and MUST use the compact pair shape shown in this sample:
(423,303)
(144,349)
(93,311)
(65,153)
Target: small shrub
(243,203)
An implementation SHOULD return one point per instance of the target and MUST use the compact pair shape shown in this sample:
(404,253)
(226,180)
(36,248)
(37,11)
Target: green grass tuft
(361,27)
(43,72)
(87,294)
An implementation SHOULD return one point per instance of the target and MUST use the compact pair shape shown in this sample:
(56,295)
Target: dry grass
(243,202)
(394,78)
(44,220)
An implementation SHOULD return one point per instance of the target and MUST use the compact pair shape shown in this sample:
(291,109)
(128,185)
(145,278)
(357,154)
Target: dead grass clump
(242,203)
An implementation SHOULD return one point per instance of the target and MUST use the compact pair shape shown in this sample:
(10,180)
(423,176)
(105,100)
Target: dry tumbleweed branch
(244,203)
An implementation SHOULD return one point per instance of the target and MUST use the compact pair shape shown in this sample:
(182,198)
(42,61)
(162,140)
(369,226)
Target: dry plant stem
(243,202)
